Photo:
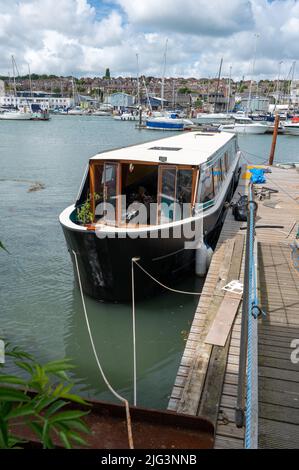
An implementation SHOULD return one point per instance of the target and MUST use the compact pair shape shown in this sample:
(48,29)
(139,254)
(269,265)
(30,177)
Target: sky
(84,37)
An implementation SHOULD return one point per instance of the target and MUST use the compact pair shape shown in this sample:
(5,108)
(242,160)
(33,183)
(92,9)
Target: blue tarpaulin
(257,176)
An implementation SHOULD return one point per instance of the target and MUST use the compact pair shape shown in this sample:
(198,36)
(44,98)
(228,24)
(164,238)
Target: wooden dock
(279,294)
(206,382)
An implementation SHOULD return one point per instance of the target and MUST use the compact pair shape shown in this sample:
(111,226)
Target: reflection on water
(40,305)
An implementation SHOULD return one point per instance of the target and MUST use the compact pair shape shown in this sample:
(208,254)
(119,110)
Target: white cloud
(73,36)
(216,17)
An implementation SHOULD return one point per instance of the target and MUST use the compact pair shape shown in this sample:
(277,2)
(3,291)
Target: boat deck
(206,382)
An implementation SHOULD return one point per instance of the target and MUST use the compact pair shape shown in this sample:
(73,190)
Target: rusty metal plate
(152,429)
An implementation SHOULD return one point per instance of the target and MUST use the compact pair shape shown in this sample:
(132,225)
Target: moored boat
(244,125)
(291,127)
(158,201)
(101,113)
(168,122)
(126,117)
(16,115)
(211,118)
(39,114)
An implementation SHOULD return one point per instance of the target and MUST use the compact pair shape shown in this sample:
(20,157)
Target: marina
(149,241)
(163,321)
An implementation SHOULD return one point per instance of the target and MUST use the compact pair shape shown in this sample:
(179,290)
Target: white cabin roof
(192,148)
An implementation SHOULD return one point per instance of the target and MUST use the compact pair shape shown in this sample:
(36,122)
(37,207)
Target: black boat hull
(105,264)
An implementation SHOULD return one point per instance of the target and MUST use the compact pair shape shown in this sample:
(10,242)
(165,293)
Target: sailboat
(243,124)
(16,114)
(167,121)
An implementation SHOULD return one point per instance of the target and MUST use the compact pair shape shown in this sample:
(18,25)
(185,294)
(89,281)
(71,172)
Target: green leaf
(79,425)
(13,441)
(18,353)
(77,438)
(67,415)
(74,398)
(11,394)
(11,379)
(42,402)
(55,407)
(64,439)
(24,365)
(5,408)
(3,434)
(61,375)
(46,435)
(36,428)
(25,410)
(58,366)
(62,390)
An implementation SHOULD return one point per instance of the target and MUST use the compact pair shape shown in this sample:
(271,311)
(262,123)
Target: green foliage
(198,103)
(107,74)
(184,91)
(84,212)
(45,411)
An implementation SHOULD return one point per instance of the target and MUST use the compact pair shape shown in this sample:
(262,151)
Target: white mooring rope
(135,260)
(134,331)
(119,397)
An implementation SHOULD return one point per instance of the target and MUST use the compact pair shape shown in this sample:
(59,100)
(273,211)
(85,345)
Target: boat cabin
(168,177)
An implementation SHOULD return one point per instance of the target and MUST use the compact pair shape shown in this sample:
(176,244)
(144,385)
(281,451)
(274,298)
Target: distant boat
(244,125)
(126,117)
(77,111)
(16,115)
(292,127)
(101,113)
(39,114)
(168,123)
(214,118)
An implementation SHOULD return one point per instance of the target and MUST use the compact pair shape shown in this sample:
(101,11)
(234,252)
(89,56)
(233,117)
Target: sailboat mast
(163,76)
(292,74)
(278,83)
(14,75)
(252,74)
(138,84)
(218,84)
(73,87)
(147,96)
(173,95)
(229,90)
(30,82)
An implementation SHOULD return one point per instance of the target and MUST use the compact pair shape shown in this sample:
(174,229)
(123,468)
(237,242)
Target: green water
(40,306)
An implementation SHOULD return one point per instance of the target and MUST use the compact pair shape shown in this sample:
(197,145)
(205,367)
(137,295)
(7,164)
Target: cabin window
(141,194)
(206,189)
(167,194)
(103,191)
(139,187)
(217,176)
(97,186)
(175,193)
(110,189)
(184,193)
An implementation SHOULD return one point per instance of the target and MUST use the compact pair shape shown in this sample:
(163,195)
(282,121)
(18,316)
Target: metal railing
(247,396)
